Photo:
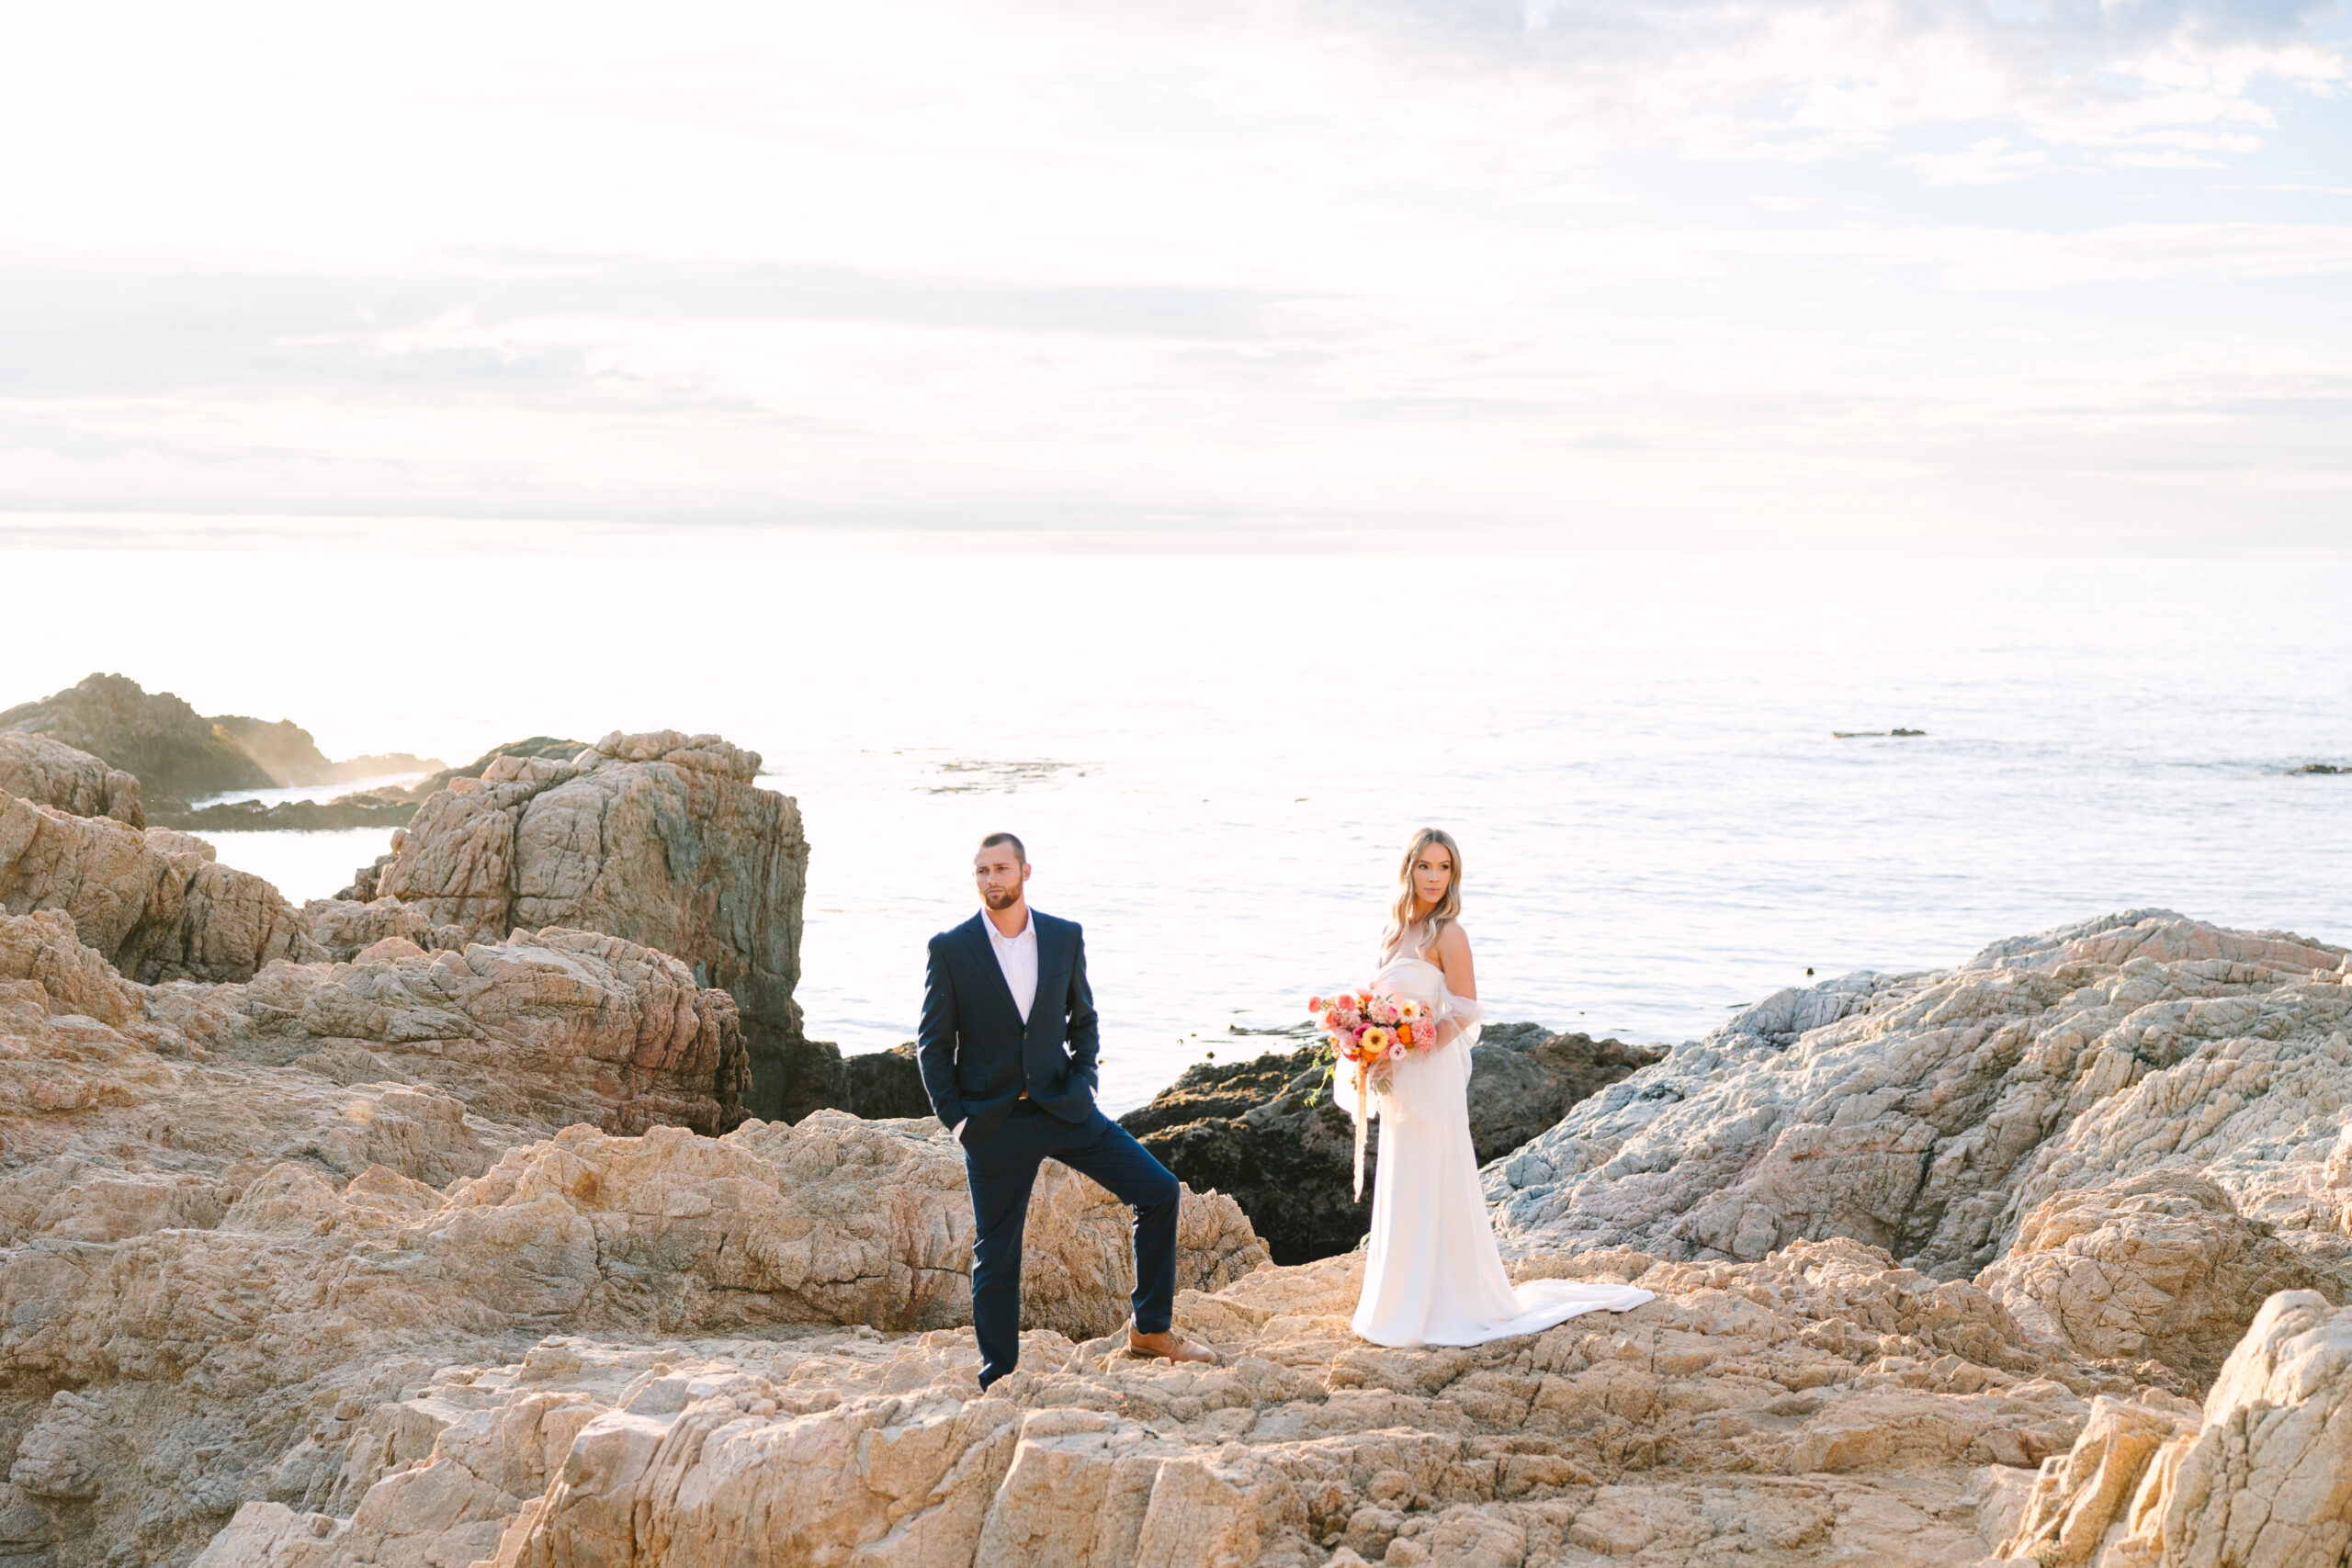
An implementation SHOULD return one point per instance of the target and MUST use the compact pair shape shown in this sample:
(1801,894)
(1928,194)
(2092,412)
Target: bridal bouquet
(1369,1029)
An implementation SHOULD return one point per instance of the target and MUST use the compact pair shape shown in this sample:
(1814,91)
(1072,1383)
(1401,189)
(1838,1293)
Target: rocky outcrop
(2156,1267)
(230,1239)
(289,756)
(2262,1475)
(1523,1079)
(1747,1415)
(368,808)
(1265,1131)
(179,754)
(545,747)
(1933,1114)
(158,739)
(876,1084)
(156,905)
(538,1031)
(264,1303)
(659,839)
(43,771)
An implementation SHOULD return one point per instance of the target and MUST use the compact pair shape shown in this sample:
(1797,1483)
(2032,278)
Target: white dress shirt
(1017,956)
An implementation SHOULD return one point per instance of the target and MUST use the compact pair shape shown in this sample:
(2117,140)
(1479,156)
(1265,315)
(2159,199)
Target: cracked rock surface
(662,839)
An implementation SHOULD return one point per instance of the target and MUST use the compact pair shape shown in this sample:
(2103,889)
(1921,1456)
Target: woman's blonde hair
(1400,914)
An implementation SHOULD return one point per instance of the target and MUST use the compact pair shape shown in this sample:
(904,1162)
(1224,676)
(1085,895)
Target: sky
(1846,275)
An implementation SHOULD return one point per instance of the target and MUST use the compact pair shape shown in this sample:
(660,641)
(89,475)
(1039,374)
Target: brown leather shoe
(1169,1347)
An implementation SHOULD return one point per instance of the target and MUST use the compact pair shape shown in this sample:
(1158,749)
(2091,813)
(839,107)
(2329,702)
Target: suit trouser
(1003,1170)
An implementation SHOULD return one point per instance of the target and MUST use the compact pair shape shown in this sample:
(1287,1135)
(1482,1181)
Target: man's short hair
(993,840)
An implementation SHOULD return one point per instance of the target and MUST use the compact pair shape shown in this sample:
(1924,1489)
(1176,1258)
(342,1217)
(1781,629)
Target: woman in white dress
(1434,1277)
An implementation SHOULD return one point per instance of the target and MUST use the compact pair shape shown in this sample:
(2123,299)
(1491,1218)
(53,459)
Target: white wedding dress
(1434,1277)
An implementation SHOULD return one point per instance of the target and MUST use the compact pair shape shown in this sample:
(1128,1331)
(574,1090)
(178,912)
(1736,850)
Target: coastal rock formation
(1932,1114)
(2262,1474)
(43,771)
(344,928)
(156,905)
(214,1268)
(547,747)
(1821,1406)
(1523,1079)
(2160,1265)
(659,839)
(1265,1131)
(288,755)
(878,1084)
(538,1031)
(165,743)
(368,808)
(290,1276)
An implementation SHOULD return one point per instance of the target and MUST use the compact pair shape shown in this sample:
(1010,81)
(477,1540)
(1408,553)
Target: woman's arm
(1453,957)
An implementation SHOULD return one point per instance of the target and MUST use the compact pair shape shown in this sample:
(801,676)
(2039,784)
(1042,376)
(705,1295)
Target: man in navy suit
(1008,1047)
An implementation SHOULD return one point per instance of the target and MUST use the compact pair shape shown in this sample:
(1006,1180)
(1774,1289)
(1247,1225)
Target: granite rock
(660,839)
(1931,1113)
(1821,1406)
(48,773)
(539,1031)
(157,904)
(2261,1474)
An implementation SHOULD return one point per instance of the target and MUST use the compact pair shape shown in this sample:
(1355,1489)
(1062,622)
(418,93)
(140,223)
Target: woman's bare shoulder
(1453,941)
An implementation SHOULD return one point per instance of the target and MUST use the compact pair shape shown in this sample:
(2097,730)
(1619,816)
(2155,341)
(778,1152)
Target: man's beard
(1000,898)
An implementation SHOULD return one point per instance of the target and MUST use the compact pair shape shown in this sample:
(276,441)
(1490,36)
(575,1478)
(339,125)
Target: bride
(1434,1277)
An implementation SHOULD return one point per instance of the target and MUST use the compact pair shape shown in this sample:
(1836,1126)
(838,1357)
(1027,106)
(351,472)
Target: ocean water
(1215,761)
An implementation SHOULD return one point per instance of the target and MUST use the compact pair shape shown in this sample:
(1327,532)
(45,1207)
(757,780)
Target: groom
(1008,1047)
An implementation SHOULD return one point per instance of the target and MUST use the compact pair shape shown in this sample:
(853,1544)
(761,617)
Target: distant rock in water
(48,772)
(1266,1134)
(1867,734)
(369,809)
(2319,768)
(160,739)
(177,754)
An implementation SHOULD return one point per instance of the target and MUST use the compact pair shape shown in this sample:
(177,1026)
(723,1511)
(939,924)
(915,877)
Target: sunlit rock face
(1749,1414)
(291,1274)
(2262,1475)
(660,839)
(156,905)
(44,771)
(1931,1113)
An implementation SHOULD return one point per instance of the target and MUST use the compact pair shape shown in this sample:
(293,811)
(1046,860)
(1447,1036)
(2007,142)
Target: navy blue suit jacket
(977,1054)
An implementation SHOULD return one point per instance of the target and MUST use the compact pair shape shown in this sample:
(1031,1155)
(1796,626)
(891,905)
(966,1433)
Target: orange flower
(1404,1034)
